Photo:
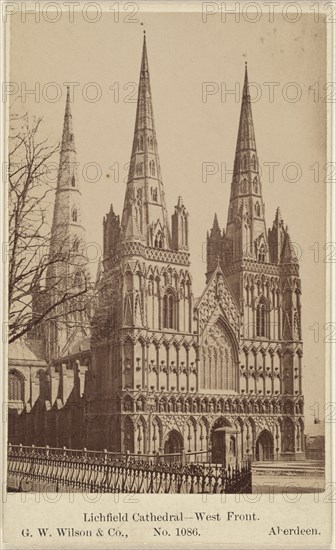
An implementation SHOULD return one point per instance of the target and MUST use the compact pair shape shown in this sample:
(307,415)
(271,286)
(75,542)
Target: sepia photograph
(166,259)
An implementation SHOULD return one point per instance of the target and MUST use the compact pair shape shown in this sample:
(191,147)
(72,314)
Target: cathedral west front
(158,369)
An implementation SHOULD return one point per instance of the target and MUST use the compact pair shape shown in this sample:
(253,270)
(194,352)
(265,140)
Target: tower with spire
(67,277)
(143,321)
(262,270)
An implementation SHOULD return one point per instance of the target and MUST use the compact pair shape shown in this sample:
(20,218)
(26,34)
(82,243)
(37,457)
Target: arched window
(257,209)
(244,163)
(255,185)
(152,167)
(168,310)
(261,318)
(253,162)
(261,254)
(244,186)
(158,241)
(15,387)
(74,215)
(155,194)
(73,181)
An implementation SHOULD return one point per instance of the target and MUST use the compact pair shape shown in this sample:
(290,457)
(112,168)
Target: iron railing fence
(68,470)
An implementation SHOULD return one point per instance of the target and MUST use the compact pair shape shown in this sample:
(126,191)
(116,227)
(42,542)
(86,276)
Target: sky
(193,66)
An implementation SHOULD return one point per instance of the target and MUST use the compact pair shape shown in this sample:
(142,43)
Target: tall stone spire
(145,216)
(67,220)
(246,209)
(67,273)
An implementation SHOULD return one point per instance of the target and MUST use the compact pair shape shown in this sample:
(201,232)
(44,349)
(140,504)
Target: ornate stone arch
(173,436)
(219,370)
(219,422)
(231,335)
(239,422)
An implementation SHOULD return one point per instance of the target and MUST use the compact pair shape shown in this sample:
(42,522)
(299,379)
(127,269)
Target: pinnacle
(67,104)
(68,141)
(288,253)
(144,61)
(99,271)
(132,230)
(278,215)
(246,92)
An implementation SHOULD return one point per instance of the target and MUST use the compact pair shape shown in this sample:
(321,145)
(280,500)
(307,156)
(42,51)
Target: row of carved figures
(172,405)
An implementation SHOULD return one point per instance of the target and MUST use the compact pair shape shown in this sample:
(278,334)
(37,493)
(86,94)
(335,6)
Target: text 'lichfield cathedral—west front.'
(154,368)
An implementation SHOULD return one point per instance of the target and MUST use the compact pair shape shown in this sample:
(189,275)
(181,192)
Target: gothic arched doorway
(223,442)
(174,443)
(265,446)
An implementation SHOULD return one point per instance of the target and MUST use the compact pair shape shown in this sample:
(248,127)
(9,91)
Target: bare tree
(32,266)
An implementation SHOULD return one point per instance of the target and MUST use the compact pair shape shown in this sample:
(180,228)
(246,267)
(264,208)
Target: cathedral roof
(21,350)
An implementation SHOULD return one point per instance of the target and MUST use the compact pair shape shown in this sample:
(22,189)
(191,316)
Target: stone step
(302,468)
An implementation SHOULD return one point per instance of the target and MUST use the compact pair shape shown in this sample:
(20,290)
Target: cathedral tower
(146,348)
(263,273)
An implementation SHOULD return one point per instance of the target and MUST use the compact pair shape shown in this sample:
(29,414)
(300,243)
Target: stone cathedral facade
(163,370)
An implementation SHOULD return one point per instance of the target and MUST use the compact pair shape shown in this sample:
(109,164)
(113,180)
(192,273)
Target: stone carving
(173,421)
(218,293)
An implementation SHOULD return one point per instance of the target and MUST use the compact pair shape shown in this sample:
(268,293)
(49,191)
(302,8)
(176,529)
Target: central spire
(145,214)
(67,224)
(246,204)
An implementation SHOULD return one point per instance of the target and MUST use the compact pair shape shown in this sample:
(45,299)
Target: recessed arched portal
(223,442)
(173,443)
(265,446)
